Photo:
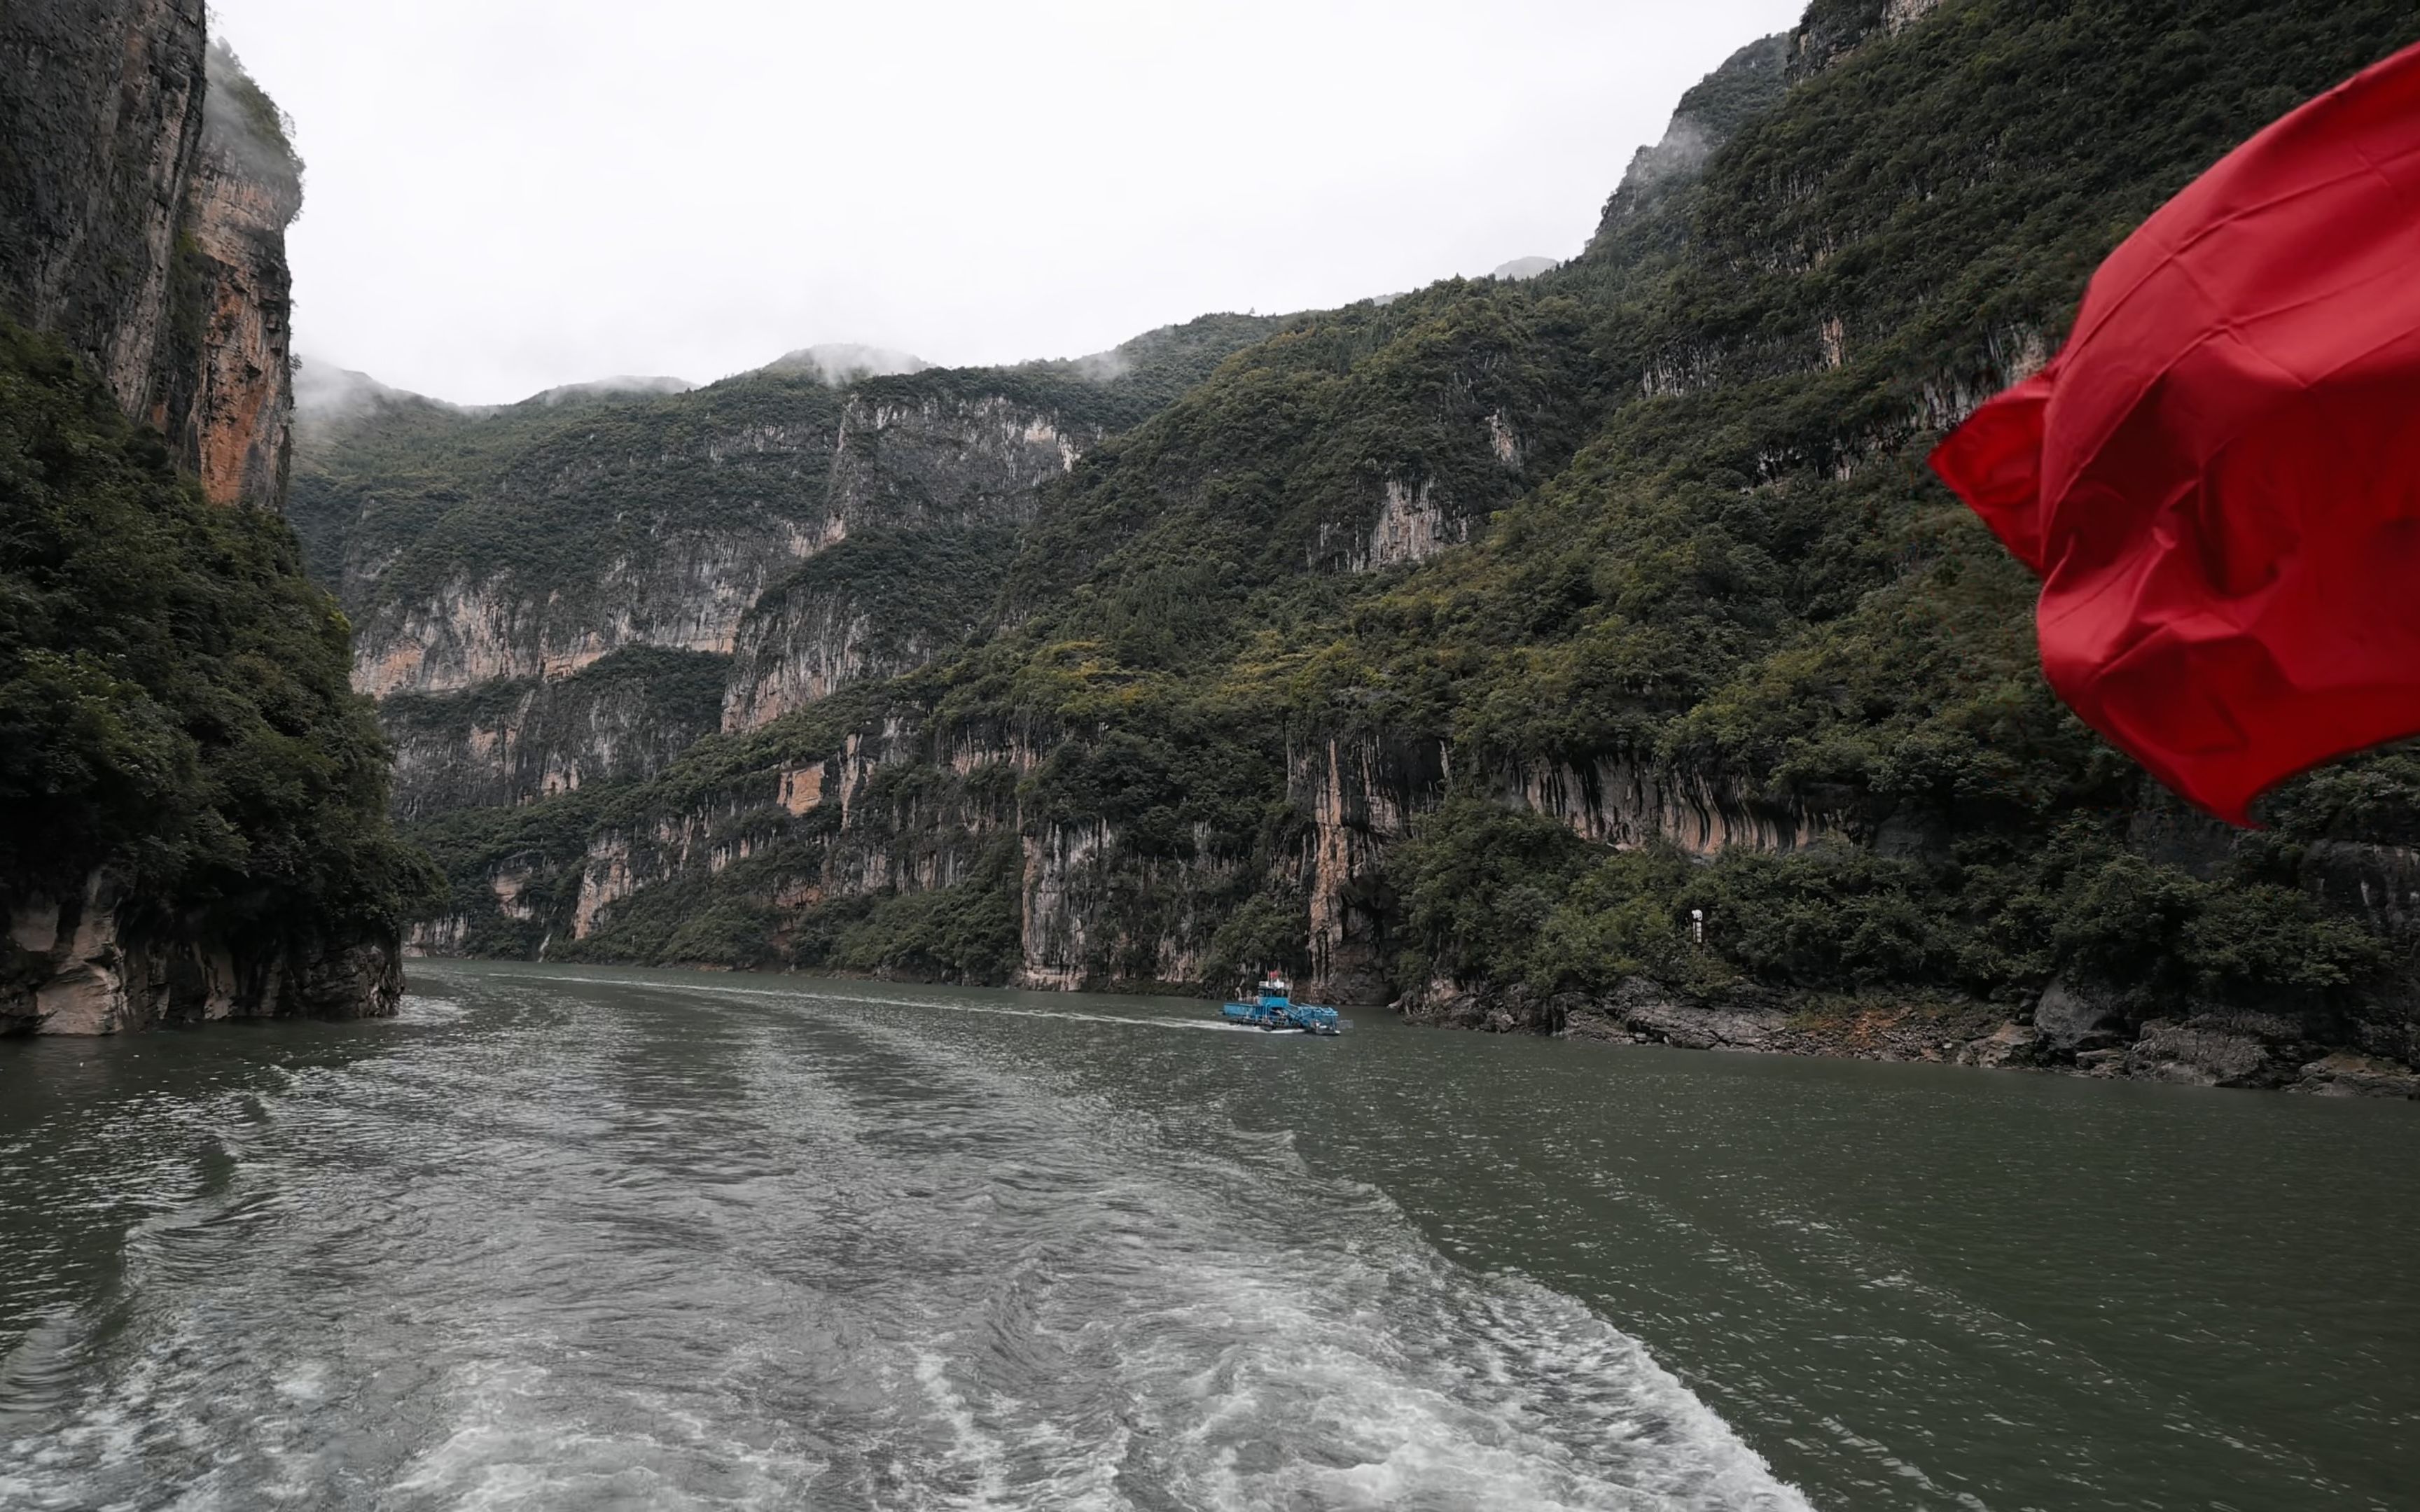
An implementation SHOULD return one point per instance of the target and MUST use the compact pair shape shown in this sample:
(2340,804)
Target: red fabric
(2218,479)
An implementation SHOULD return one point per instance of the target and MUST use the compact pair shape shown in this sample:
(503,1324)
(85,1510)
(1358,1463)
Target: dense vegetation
(174,704)
(412,493)
(1701,545)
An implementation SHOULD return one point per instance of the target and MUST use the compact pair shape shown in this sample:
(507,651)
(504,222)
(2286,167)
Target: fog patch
(842,363)
(1104,368)
(242,125)
(1524,268)
(325,393)
(1683,151)
(624,385)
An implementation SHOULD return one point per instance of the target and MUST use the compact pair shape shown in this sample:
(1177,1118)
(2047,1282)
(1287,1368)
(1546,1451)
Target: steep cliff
(227,396)
(193,803)
(144,201)
(1585,653)
(101,111)
(807,534)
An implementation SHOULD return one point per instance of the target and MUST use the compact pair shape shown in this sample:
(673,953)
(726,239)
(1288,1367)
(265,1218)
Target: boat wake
(585,1247)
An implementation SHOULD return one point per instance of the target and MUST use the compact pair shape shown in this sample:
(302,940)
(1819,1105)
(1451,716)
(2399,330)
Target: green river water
(581,1239)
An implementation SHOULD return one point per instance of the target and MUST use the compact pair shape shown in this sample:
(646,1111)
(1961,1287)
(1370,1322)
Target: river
(619,1239)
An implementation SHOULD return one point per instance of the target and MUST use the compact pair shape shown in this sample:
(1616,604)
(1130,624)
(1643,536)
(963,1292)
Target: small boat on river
(1269,1004)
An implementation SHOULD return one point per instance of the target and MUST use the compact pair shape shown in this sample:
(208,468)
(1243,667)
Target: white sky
(508,194)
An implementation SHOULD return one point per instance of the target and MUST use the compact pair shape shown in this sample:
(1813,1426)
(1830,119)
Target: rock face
(231,407)
(143,214)
(618,720)
(688,595)
(146,185)
(81,967)
(933,478)
(102,107)
(846,514)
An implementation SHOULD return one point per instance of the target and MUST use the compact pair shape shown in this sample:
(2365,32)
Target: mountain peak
(841,362)
(620,386)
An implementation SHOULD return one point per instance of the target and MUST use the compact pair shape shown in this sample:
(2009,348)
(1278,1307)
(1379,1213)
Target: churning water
(597,1240)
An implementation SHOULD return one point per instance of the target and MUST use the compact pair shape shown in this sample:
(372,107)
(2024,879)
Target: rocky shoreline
(2066,1031)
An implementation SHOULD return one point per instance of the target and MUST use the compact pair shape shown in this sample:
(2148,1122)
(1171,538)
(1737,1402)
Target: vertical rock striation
(101,111)
(144,201)
(230,403)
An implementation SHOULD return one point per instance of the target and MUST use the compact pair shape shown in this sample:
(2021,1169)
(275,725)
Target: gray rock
(2345,1075)
(2009,1046)
(2072,1019)
(1738,1023)
(2200,1053)
(1592,1024)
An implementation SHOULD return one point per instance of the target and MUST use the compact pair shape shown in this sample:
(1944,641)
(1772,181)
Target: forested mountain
(193,802)
(575,589)
(1465,649)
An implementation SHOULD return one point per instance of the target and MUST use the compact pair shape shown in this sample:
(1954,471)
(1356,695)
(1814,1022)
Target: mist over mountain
(839,363)
(622,386)
(1520,267)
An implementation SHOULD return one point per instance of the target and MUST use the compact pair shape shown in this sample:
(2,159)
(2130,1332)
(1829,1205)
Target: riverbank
(2064,1032)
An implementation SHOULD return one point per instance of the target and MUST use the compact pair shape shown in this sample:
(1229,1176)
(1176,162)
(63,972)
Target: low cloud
(841,362)
(611,388)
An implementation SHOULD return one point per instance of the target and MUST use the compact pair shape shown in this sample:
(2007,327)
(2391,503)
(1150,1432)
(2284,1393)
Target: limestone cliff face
(146,185)
(838,518)
(901,470)
(807,640)
(946,461)
(101,110)
(143,202)
(901,810)
(852,535)
(620,721)
(1363,796)
(688,595)
(92,963)
(231,405)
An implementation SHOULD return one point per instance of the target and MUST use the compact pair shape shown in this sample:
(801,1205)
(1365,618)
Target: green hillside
(1709,551)
(173,697)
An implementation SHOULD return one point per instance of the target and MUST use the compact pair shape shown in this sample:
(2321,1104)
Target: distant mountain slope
(773,530)
(1472,648)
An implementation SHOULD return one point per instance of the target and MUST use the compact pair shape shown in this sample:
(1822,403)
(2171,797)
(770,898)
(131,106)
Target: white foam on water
(1429,1389)
(805,997)
(422,1008)
(517,1442)
(1288,1340)
(861,1263)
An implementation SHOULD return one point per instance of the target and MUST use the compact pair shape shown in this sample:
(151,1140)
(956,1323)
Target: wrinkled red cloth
(2218,478)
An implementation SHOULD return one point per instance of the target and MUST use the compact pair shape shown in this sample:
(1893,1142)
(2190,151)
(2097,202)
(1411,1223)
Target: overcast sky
(508,194)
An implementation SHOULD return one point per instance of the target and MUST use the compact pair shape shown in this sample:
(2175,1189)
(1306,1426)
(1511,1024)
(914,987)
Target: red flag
(2218,478)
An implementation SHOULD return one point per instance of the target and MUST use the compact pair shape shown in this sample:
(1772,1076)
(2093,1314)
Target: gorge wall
(162,656)
(143,215)
(805,536)
(1584,654)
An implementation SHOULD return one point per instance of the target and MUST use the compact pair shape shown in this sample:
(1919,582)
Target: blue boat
(1268,1005)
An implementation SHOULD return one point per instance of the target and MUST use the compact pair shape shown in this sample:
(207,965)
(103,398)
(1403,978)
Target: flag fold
(2218,477)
